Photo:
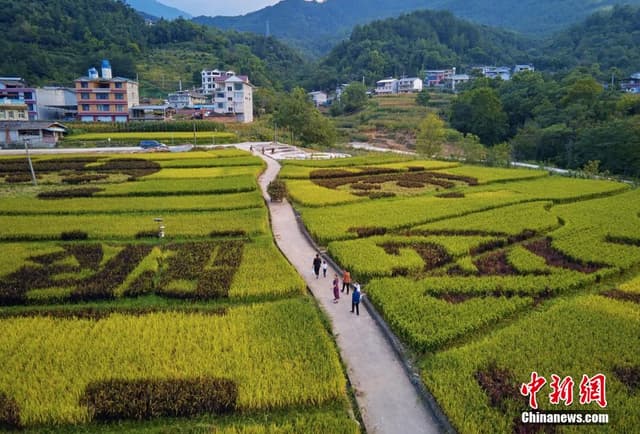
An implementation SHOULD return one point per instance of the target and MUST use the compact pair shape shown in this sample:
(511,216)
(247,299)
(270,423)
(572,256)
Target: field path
(387,400)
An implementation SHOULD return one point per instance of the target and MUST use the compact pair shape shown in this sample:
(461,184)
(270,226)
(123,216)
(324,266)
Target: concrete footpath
(386,397)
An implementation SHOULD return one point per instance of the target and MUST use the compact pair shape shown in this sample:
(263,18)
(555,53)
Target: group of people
(347,284)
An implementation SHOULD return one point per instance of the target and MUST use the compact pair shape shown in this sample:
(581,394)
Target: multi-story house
(16,91)
(211,78)
(438,77)
(388,86)
(55,103)
(186,98)
(409,85)
(233,96)
(13,111)
(106,98)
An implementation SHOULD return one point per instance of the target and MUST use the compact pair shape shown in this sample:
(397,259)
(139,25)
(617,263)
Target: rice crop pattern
(582,336)
(270,352)
(209,322)
(525,252)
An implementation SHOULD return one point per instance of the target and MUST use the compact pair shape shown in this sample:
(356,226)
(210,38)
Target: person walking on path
(316,265)
(336,292)
(346,281)
(325,266)
(355,299)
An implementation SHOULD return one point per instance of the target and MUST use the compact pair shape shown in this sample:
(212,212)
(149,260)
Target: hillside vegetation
(57,41)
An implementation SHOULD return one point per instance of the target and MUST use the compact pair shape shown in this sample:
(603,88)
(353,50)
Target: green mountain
(610,39)
(316,27)
(56,41)
(417,41)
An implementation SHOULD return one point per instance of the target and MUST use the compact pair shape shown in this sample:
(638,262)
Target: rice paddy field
(490,275)
(107,326)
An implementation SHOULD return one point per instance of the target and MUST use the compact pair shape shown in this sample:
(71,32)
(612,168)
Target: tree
(479,111)
(297,113)
(431,134)
(354,98)
(423,98)
(499,155)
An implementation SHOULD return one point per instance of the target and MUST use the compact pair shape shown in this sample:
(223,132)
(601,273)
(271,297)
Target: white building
(455,80)
(234,96)
(409,85)
(210,77)
(318,97)
(523,68)
(503,72)
(186,98)
(55,103)
(388,86)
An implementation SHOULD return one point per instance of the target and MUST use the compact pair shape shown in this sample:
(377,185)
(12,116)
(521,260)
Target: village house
(319,98)
(105,98)
(388,86)
(232,95)
(16,91)
(409,85)
(438,77)
(186,99)
(41,134)
(56,103)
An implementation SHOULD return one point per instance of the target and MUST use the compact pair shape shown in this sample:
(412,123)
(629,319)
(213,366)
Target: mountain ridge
(317,27)
(156,9)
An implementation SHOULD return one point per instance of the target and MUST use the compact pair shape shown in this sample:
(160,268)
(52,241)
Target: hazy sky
(218,7)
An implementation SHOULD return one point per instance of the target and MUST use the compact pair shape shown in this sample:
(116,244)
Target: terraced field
(489,275)
(108,326)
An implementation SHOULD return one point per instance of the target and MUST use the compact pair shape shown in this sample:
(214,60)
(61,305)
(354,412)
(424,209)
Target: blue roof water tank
(93,73)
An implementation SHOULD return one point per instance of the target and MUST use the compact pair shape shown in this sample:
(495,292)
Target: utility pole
(33,174)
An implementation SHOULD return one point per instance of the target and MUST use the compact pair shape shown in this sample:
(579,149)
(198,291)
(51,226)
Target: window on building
(230,88)
(3,114)
(229,99)
(12,114)
(230,109)
(121,108)
(103,107)
(28,95)
(220,105)
(84,96)
(84,85)
(237,86)
(119,96)
(21,115)
(220,95)
(86,107)
(103,96)
(118,85)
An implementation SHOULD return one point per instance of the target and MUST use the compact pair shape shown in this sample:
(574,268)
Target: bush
(74,235)
(70,193)
(145,399)
(277,190)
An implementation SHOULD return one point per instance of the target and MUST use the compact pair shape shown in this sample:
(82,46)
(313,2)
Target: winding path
(386,397)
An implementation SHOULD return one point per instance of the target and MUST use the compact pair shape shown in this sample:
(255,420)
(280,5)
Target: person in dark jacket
(317,263)
(355,299)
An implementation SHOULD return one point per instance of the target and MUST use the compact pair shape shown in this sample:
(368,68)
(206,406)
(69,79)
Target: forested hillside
(609,39)
(413,42)
(55,41)
(316,27)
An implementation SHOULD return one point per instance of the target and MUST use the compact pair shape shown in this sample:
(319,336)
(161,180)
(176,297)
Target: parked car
(152,144)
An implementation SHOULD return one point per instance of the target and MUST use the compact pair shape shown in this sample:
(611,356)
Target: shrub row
(555,258)
(69,193)
(135,167)
(118,399)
